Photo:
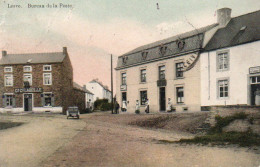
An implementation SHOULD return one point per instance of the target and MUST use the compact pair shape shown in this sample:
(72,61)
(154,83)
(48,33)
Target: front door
(27,102)
(162,99)
(255,89)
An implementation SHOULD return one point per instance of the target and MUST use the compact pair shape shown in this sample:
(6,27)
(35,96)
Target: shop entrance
(27,102)
(255,90)
(124,102)
(162,99)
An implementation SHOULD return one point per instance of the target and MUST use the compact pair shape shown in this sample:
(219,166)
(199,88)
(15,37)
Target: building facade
(167,70)
(99,90)
(38,82)
(89,98)
(230,64)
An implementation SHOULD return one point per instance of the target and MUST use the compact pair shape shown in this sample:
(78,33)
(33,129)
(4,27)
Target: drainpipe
(208,77)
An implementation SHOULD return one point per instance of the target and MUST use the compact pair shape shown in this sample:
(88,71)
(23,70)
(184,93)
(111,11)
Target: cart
(73,112)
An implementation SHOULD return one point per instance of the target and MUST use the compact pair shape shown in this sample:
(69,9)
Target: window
(222,61)
(255,80)
(123,78)
(180,95)
(8,100)
(161,72)
(47,68)
(143,75)
(222,88)
(163,50)
(8,80)
(47,99)
(8,69)
(27,78)
(179,70)
(27,69)
(47,79)
(143,97)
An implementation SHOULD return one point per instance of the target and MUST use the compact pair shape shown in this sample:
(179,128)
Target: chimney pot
(65,50)
(223,16)
(4,53)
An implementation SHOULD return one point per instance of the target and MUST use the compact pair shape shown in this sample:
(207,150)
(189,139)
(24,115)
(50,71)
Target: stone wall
(79,99)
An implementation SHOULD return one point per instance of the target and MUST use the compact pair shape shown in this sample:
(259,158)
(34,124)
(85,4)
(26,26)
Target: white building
(99,90)
(89,98)
(230,64)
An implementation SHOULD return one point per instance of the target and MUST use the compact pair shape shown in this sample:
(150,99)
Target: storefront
(254,85)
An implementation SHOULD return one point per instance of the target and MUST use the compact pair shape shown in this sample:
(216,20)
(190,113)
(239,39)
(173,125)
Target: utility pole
(112,93)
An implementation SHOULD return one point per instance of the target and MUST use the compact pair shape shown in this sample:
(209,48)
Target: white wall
(241,58)
(96,89)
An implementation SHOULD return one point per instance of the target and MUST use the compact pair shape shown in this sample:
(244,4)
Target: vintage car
(73,112)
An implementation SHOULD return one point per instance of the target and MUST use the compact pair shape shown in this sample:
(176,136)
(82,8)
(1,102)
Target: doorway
(162,101)
(254,88)
(27,102)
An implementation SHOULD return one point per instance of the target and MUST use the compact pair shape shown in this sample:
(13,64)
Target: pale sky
(94,29)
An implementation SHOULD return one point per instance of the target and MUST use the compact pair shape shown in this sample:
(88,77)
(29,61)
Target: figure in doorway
(117,106)
(169,107)
(257,97)
(147,106)
(137,107)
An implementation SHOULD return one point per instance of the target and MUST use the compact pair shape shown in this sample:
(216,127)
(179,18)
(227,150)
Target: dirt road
(107,140)
(41,135)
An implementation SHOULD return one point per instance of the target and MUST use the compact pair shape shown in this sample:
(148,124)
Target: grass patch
(221,122)
(216,136)
(6,125)
(241,138)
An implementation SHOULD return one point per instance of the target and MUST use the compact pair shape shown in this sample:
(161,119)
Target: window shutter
(4,101)
(52,100)
(14,104)
(42,99)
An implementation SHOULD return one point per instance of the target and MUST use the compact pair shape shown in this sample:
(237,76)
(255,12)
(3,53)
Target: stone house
(38,82)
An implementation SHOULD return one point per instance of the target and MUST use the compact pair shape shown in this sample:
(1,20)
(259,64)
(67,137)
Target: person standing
(137,107)
(147,106)
(124,106)
(169,107)
(117,107)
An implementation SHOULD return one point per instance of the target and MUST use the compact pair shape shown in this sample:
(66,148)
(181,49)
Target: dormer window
(8,69)
(144,55)
(163,50)
(125,58)
(47,68)
(27,69)
(180,44)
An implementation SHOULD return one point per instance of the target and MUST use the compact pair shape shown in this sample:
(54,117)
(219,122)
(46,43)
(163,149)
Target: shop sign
(123,87)
(28,90)
(254,70)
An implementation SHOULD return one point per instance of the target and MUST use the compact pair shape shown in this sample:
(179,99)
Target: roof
(96,81)
(78,87)
(34,58)
(239,30)
(193,40)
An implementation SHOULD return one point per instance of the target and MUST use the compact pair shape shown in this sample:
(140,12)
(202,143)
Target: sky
(92,30)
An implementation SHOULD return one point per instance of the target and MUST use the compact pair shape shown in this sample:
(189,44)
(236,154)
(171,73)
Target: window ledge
(179,104)
(47,106)
(176,78)
(142,82)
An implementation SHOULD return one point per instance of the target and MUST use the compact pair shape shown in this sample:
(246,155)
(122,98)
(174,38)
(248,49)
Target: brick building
(38,82)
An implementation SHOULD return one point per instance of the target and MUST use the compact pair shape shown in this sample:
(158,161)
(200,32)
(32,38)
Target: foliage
(106,106)
(221,122)
(99,102)
(241,138)
(137,111)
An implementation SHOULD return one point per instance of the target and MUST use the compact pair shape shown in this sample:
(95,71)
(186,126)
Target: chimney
(223,16)
(4,53)
(84,87)
(64,50)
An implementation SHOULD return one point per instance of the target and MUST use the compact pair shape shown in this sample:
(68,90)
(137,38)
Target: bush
(98,103)
(87,110)
(106,106)
(137,111)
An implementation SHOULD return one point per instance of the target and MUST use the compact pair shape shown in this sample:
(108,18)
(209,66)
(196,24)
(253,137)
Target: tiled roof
(33,58)
(77,86)
(239,30)
(193,40)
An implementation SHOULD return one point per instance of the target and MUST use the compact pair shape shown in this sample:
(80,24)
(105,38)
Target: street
(102,139)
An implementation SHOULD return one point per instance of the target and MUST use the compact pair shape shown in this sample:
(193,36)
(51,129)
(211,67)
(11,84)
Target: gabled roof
(193,40)
(33,58)
(239,30)
(98,82)
(78,87)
